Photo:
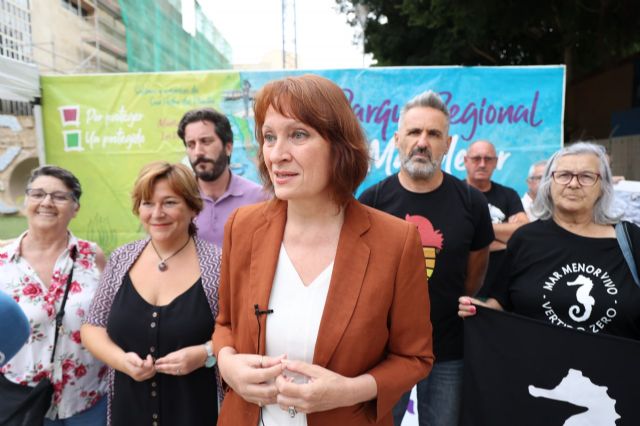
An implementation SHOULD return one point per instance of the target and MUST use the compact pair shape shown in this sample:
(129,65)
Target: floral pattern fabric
(79,380)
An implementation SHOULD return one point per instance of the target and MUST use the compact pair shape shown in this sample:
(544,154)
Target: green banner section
(104,127)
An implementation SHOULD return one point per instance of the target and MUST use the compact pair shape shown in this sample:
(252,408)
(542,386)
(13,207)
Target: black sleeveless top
(163,400)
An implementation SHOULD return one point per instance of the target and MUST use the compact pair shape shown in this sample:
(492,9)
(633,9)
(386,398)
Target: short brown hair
(180,178)
(321,104)
(65,176)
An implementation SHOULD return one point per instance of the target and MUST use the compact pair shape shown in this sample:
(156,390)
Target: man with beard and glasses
(505,208)
(208,138)
(455,228)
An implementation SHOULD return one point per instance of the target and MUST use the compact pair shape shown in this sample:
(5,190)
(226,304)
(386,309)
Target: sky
(253,28)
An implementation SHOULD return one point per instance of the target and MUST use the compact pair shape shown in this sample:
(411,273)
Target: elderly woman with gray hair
(568,268)
(53,276)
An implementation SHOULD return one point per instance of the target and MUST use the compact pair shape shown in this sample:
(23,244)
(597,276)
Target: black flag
(523,372)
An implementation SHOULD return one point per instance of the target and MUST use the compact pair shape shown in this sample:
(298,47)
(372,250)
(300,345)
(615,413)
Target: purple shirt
(214,215)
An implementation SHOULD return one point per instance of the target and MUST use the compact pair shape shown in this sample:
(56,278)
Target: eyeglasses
(584,178)
(58,197)
(538,177)
(479,158)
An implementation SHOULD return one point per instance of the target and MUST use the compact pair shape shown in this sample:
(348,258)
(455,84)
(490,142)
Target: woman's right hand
(466,306)
(250,376)
(137,368)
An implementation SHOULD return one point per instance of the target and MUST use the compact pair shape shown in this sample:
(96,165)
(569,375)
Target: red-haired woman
(322,300)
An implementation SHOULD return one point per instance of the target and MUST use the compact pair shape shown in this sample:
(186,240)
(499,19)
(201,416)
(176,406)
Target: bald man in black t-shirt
(505,206)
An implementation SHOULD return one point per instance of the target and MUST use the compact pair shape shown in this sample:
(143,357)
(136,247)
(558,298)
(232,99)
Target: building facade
(86,36)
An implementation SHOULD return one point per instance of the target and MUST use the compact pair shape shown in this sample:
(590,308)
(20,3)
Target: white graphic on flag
(584,298)
(579,390)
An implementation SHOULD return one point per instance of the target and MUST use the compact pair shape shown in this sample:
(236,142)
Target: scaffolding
(289,34)
(105,38)
(156,40)
(77,36)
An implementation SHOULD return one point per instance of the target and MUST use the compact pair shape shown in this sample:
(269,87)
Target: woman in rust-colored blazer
(369,332)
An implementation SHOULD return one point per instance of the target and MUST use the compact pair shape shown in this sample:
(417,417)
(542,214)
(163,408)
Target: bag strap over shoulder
(60,314)
(622,235)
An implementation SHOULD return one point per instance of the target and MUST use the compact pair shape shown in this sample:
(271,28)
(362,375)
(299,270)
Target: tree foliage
(583,34)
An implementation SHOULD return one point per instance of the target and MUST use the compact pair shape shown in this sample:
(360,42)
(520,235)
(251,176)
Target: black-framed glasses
(535,178)
(58,197)
(584,178)
(478,158)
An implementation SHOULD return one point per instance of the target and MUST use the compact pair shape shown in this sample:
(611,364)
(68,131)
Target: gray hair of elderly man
(532,169)
(543,205)
(426,99)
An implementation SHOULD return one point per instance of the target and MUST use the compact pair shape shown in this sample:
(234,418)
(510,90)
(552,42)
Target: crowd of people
(293,303)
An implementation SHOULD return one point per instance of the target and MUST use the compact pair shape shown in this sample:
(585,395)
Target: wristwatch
(211,360)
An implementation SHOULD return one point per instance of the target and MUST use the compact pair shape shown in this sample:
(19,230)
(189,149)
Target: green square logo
(72,140)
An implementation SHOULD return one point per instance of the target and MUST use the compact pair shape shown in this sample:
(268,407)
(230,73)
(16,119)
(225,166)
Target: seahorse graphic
(583,297)
(577,389)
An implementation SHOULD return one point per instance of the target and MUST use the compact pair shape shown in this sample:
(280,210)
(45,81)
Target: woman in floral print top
(34,270)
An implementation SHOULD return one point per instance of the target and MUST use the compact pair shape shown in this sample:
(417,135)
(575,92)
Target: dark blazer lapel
(350,265)
(265,249)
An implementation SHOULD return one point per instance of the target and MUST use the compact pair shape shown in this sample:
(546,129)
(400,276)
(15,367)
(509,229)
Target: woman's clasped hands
(264,380)
(177,363)
(137,368)
(251,376)
(322,390)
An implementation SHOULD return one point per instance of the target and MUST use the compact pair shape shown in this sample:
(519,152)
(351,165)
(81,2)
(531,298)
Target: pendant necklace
(162,266)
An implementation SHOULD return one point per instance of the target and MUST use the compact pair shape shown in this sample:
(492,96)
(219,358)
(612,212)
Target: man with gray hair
(533,180)
(455,229)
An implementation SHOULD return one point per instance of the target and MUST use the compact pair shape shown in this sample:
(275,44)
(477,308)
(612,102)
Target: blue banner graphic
(519,109)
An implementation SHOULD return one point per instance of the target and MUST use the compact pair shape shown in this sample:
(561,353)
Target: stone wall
(18,156)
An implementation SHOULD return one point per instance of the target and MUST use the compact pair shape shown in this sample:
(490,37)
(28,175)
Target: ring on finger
(292,411)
